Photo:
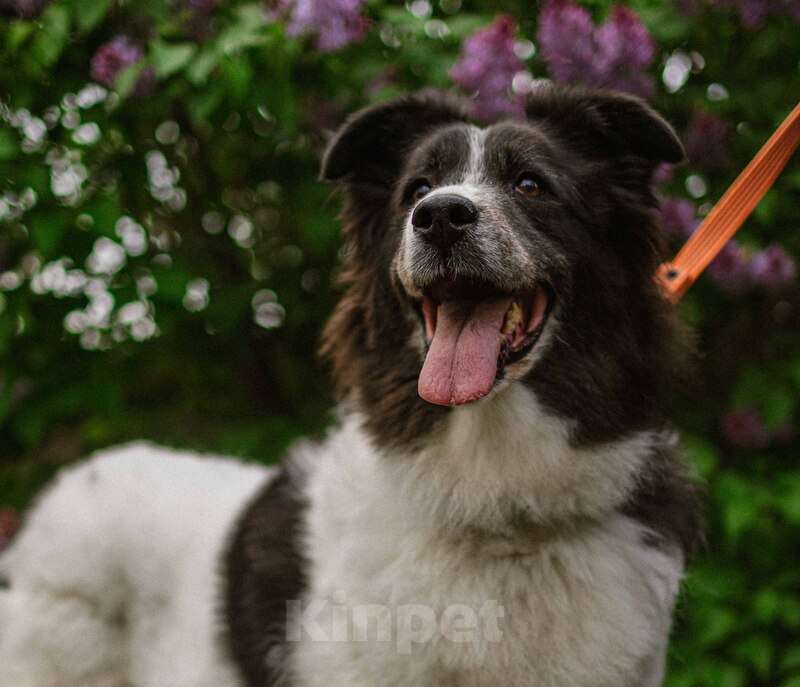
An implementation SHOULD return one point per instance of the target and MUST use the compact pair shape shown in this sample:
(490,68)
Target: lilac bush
(730,270)
(664,173)
(625,50)
(678,217)
(773,267)
(113,57)
(706,140)
(486,69)
(614,55)
(333,23)
(566,37)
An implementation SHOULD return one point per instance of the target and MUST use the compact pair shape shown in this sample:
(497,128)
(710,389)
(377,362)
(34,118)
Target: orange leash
(731,211)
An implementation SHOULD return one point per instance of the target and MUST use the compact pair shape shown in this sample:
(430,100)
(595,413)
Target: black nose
(442,219)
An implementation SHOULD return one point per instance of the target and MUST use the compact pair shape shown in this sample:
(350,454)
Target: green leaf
(718,624)
(205,63)
(778,406)
(766,208)
(790,611)
(238,74)
(247,31)
(168,58)
(664,23)
(766,605)
(89,13)
(702,454)
(756,651)
(47,230)
(791,659)
(8,145)
(732,676)
(204,103)
(18,33)
(127,78)
(741,502)
(52,37)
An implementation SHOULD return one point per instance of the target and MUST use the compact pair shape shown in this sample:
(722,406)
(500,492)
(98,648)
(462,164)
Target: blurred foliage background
(166,251)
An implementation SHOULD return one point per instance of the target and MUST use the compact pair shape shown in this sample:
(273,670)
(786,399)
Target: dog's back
(114,578)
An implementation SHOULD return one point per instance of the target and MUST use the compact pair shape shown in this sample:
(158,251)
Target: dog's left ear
(369,147)
(615,123)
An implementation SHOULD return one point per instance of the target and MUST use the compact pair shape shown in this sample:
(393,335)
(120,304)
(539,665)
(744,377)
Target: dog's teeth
(513,319)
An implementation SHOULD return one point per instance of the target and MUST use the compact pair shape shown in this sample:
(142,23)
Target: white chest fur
(417,579)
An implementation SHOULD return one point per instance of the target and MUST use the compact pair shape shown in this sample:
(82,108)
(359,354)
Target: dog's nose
(442,219)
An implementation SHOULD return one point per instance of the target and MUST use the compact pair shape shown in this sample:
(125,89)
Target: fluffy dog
(501,501)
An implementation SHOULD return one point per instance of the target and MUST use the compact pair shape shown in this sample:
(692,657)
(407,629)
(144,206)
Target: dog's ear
(370,145)
(612,123)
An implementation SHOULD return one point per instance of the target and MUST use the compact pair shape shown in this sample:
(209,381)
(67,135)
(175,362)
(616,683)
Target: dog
(502,499)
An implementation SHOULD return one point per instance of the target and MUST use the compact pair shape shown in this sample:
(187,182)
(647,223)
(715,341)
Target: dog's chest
(391,603)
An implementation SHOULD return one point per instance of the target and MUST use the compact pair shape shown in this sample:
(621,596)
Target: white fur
(115,576)
(585,605)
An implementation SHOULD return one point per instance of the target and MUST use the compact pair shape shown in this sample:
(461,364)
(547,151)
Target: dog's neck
(500,467)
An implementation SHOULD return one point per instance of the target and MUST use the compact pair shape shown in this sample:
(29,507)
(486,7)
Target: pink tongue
(462,359)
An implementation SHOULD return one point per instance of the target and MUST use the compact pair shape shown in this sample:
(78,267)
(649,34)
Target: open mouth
(473,332)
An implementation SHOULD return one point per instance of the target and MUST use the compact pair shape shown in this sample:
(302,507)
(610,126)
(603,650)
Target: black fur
(670,503)
(263,569)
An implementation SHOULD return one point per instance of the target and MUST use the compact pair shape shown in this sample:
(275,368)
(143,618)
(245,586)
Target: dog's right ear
(616,124)
(369,147)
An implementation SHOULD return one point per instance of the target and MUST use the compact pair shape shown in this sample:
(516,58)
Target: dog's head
(521,253)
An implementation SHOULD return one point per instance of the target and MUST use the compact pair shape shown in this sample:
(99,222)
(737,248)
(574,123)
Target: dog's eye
(419,189)
(529,185)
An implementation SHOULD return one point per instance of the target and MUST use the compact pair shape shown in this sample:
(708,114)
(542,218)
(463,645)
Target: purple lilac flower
(27,9)
(566,37)
(9,524)
(487,66)
(773,268)
(113,57)
(333,23)
(678,217)
(664,173)
(753,13)
(706,140)
(624,50)
(730,270)
(613,55)
(745,429)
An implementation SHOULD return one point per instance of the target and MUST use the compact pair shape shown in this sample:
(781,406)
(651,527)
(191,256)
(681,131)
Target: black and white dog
(501,502)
